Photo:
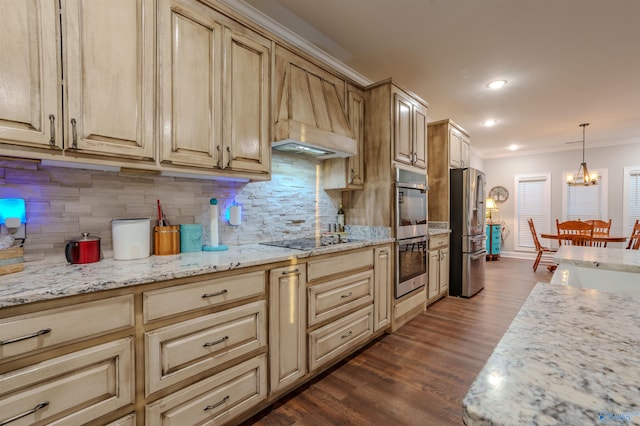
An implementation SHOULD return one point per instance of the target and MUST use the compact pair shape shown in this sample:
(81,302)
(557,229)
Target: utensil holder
(166,240)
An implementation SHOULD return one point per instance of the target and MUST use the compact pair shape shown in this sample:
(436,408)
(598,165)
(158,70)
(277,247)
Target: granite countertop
(44,281)
(613,259)
(570,356)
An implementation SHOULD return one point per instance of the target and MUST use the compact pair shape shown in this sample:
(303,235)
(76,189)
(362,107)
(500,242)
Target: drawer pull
(30,336)
(52,123)
(295,271)
(224,339)
(344,336)
(218,293)
(25,414)
(217,404)
(344,296)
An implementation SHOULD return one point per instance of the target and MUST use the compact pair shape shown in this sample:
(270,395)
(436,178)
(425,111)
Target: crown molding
(289,36)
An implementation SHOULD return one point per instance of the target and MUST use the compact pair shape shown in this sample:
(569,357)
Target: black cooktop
(309,242)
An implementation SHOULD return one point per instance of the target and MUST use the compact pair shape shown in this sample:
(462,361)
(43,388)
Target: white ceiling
(566,62)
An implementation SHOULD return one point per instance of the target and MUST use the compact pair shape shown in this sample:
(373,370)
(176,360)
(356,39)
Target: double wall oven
(410,231)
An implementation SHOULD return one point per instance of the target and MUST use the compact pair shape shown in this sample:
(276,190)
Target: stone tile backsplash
(63,202)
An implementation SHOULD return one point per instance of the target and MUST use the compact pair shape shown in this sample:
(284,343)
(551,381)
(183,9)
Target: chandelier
(582,176)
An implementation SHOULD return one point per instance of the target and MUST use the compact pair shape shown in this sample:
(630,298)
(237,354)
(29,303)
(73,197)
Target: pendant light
(582,177)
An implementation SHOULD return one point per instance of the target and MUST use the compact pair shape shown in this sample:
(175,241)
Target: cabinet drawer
(84,385)
(203,294)
(179,351)
(330,299)
(331,341)
(214,400)
(317,269)
(437,241)
(129,420)
(30,332)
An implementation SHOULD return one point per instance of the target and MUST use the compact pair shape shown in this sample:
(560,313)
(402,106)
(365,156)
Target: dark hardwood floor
(419,374)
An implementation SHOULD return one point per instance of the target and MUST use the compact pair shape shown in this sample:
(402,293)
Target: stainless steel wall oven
(410,231)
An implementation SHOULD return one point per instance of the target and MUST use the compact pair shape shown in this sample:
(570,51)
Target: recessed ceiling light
(497,84)
(513,147)
(490,123)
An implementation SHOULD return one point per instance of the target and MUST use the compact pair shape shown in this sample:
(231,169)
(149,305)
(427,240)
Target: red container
(84,249)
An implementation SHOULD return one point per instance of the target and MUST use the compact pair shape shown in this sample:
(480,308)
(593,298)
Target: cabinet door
(190,74)
(355,104)
(109,77)
(444,270)
(29,74)
(382,282)
(287,325)
(434,271)
(247,99)
(419,136)
(455,140)
(464,152)
(403,132)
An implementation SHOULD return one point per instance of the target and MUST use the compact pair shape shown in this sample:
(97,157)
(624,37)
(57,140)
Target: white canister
(131,238)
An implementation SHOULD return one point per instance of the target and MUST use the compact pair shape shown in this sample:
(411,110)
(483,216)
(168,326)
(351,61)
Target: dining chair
(600,227)
(574,233)
(634,239)
(544,253)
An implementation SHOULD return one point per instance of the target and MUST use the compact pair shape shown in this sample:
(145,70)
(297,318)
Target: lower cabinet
(214,400)
(383,276)
(438,267)
(70,389)
(287,326)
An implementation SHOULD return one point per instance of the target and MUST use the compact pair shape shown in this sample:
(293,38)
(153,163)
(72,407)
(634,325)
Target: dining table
(600,237)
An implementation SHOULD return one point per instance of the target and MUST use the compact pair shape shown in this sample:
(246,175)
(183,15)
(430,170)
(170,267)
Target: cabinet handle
(52,124)
(344,296)
(219,156)
(216,342)
(344,336)
(228,157)
(29,336)
(218,293)
(217,404)
(25,414)
(74,134)
(295,271)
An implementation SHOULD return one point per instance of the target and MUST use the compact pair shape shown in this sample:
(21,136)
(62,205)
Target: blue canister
(190,238)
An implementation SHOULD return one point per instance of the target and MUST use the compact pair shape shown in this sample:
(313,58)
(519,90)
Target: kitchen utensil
(166,240)
(83,249)
(131,238)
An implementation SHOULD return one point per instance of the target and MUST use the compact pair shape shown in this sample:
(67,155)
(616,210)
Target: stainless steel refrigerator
(467,251)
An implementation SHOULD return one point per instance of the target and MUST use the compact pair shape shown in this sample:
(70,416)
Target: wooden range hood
(310,119)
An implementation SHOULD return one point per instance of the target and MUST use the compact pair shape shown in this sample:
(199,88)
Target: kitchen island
(570,357)
(599,268)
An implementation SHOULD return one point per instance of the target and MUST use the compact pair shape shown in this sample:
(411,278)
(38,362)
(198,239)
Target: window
(631,198)
(533,200)
(585,202)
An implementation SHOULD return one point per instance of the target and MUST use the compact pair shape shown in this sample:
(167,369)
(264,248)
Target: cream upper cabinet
(410,133)
(108,67)
(246,112)
(109,76)
(348,174)
(190,84)
(31,102)
(214,90)
(458,148)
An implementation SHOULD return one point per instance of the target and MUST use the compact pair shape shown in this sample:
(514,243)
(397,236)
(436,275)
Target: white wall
(502,172)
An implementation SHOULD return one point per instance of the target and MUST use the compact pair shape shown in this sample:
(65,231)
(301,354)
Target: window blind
(632,198)
(533,201)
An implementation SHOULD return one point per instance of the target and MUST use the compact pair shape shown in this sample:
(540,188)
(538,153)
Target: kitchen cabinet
(448,144)
(287,326)
(438,267)
(214,90)
(107,98)
(494,241)
(383,282)
(410,131)
(348,173)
